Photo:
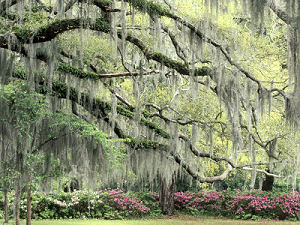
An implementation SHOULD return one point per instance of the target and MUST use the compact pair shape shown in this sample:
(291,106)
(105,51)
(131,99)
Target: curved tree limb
(98,108)
(55,28)
(283,15)
(179,51)
(145,5)
(262,171)
(39,37)
(155,9)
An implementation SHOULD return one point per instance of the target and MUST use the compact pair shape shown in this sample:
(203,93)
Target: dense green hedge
(114,204)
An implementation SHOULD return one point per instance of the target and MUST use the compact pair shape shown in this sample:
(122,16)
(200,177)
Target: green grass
(182,220)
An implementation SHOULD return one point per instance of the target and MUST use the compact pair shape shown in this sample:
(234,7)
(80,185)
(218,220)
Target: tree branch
(179,51)
(98,108)
(50,31)
(144,5)
(261,171)
(283,15)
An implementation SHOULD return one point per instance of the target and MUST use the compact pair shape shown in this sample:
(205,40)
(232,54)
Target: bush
(106,204)
(114,204)
(241,205)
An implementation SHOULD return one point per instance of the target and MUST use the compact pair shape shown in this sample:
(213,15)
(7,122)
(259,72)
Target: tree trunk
(260,183)
(296,171)
(5,203)
(29,211)
(5,180)
(5,193)
(268,183)
(166,198)
(17,201)
(254,167)
(19,169)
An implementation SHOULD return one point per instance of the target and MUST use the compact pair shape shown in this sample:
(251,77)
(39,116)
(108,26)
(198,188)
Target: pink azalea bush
(201,201)
(123,204)
(246,205)
(282,206)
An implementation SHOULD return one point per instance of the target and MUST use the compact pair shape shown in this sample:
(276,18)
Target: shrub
(114,204)
(241,205)
(107,204)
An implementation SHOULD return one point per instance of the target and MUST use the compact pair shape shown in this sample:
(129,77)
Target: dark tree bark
(5,203)
(5,197)
(166,197)
(71,185)
(17,201)
(5,183)
(268,183)
(17,185)
(29,209)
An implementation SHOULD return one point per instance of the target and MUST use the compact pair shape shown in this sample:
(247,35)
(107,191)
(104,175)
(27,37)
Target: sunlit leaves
(24,107)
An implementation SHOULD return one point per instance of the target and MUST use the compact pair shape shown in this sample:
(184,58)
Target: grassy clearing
(182,220)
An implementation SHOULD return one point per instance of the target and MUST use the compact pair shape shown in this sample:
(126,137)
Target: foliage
(241,205)
(106,204)
(25,106)
(79,126)
(242,72)
(114,204)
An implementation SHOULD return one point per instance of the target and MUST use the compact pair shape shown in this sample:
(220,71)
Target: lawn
(182,220)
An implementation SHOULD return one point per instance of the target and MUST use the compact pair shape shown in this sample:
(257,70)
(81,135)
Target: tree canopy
(132,90)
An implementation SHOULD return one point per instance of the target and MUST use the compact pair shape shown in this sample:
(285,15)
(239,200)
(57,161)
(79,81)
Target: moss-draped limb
(149,7)
(79,73)
(99,109)
(50,31)
(142,5)
(61,90)
(282,14)
(179,66)
(66,68)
